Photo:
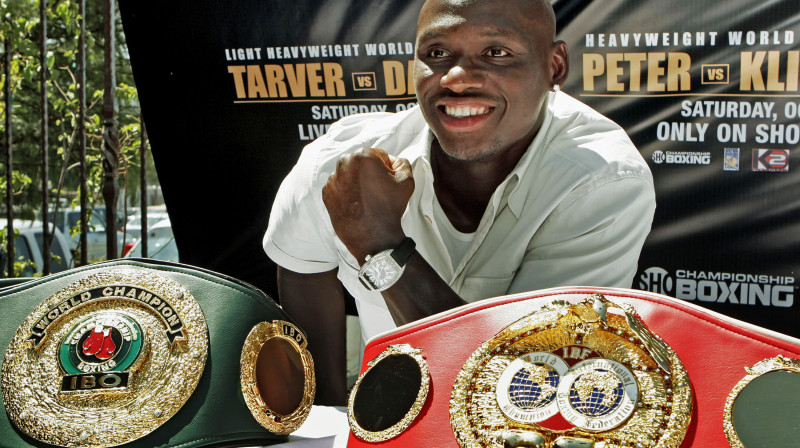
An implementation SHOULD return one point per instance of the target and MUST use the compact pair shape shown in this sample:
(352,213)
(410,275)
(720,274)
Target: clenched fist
(366,197)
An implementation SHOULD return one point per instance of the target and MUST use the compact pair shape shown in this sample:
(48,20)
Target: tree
(20,35)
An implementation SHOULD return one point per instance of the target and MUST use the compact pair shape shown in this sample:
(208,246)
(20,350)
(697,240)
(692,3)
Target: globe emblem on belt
(598,394)
(527,388)
(533,387)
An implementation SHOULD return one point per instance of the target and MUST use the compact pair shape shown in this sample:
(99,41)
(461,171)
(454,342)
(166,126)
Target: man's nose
(461,77)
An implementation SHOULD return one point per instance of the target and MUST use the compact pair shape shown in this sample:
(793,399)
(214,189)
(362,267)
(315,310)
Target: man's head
(482,72)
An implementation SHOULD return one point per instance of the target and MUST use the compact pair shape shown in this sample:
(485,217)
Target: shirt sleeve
(594,239)
(300,236)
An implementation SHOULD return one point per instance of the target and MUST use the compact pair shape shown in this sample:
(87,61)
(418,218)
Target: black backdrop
(231,92)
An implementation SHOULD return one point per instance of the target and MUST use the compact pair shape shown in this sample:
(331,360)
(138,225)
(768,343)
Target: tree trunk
(84,190)
(110,133)
(45,174)
(10,255)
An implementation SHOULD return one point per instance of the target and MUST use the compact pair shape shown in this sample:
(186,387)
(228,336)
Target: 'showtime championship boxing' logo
(721,287)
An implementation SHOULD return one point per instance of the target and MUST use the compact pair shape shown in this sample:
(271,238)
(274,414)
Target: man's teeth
(461,111)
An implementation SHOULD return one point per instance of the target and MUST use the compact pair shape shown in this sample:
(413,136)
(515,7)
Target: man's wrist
(362,247)
(382,270)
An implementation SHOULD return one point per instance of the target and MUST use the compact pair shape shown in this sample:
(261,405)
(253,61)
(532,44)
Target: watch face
(382,271)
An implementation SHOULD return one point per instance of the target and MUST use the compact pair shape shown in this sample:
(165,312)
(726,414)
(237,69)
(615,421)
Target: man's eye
(497,52)
(437,53)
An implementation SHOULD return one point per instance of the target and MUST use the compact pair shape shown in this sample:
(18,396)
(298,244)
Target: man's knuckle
(362,153)
(342,161)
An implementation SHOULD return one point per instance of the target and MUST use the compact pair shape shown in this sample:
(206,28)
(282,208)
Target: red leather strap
(714,349)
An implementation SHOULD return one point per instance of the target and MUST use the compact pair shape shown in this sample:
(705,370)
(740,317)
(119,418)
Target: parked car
(69,219)
(132,229)
(160,243)
(28,248)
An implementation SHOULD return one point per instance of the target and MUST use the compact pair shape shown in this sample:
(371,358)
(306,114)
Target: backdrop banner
(710,95)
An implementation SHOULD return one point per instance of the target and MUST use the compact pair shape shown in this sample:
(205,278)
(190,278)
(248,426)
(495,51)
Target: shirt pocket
(480,287)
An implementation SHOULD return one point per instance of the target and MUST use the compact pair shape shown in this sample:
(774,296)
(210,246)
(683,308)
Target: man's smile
(465,111)
(463,114)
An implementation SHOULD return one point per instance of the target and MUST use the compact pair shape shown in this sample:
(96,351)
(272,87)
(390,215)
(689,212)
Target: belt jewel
(573,375)
(390,394)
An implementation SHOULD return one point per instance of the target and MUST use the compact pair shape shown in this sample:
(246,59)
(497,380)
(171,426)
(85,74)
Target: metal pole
(84,190)
(9,164)
(143,186)
(45,174)
(110,133)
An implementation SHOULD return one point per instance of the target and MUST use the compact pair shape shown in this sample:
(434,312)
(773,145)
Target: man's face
(482,70)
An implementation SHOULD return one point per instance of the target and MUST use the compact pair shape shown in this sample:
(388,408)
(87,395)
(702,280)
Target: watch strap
(403,251)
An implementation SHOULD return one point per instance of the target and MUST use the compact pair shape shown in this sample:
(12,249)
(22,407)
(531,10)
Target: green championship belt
(148,354)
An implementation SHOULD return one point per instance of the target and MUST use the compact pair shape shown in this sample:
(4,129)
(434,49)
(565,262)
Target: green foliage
(22,267)
(20,33)
(19,182)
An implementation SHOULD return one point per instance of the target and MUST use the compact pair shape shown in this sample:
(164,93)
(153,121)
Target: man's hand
(366,197)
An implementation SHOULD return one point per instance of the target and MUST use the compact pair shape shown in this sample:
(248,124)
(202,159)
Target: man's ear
(560,64)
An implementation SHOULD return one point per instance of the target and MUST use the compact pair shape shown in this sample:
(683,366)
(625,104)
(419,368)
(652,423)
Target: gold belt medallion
(390,394)
(762,408)
(277,376)
(583,375)
(106,360)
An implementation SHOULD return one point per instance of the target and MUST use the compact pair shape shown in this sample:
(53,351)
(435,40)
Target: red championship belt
(578,367)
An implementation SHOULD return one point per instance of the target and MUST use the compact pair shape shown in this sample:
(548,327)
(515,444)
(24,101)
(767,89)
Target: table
(325,427)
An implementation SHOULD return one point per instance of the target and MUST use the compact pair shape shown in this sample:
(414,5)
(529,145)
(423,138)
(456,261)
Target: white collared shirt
(575,210)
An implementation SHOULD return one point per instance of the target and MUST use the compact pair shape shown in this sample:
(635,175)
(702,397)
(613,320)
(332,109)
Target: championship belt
(578,368)
(148,354)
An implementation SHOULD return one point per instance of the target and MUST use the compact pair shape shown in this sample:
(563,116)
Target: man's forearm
(316,303)
(419,293)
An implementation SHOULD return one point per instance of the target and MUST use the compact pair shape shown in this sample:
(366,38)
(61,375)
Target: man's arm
(366,198)
(419,293)
(316,303)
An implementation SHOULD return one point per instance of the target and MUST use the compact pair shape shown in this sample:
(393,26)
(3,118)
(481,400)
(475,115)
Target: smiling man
(497,183)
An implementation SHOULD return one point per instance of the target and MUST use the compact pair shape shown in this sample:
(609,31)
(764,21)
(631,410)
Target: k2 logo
(364,81)
(770,159)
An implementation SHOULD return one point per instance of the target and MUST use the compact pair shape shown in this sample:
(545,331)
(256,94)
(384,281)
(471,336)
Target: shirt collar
(420,148)
(519,176)
(418,154)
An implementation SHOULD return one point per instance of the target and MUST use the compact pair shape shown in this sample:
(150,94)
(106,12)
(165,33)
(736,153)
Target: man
(504,184)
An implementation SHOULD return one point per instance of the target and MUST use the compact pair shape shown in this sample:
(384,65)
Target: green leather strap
(215,413)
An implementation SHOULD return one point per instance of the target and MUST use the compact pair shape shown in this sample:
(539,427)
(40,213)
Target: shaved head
(540,11)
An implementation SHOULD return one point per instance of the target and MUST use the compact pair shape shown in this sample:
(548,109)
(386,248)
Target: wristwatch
(382,270)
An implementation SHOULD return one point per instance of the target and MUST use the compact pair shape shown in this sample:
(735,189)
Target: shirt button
(428,218)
